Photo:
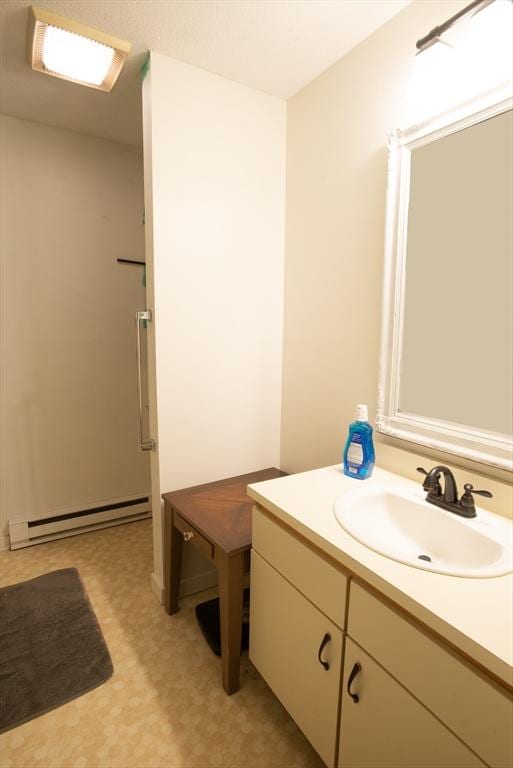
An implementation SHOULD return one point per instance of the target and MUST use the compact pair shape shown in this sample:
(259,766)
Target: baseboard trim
(157,588)
(4,543)
(198,582)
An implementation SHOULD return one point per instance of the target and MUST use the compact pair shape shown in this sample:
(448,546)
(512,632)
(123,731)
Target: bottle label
(355,453)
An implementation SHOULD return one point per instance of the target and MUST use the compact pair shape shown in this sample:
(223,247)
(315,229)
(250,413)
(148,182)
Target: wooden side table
(216,519)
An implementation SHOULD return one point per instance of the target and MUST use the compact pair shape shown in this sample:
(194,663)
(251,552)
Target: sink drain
(425,557)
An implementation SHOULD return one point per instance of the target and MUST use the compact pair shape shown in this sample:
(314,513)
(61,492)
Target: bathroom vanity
(379,663)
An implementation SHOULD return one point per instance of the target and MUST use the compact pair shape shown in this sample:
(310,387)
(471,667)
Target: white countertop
(475,615)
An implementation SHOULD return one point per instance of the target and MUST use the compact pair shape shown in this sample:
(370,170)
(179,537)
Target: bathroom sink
(397,522)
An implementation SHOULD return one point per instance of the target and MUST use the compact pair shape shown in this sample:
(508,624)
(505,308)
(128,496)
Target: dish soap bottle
(359,450)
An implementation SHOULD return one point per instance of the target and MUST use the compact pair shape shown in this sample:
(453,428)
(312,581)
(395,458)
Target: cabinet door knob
(187,535)
(357,668)
(325,641)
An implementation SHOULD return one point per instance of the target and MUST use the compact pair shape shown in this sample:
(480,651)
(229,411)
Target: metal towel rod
(150,444)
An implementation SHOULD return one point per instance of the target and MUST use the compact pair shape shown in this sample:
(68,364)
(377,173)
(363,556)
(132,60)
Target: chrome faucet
(465,507)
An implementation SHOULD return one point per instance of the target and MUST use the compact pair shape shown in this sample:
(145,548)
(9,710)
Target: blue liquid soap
(359,450)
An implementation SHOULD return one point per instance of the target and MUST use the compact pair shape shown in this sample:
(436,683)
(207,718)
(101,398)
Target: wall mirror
(446,374)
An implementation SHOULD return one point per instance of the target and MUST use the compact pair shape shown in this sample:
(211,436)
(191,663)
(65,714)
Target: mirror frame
(479,445)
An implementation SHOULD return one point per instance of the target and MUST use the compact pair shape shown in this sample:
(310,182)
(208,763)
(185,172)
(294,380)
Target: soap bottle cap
(362,413)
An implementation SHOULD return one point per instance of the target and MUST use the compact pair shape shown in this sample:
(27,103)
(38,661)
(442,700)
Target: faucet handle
(467,500)
(432,482)
(469,490)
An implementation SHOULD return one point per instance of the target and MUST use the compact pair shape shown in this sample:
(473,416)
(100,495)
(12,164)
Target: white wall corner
(214,163)
(157,587)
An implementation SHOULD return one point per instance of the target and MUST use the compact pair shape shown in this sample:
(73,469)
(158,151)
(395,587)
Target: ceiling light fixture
(64,48)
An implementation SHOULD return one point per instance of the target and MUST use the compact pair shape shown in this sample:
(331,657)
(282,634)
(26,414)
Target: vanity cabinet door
(467,702)
(298,652)
(387,727)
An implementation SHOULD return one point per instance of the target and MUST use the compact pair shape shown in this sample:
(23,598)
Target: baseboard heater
(27,532)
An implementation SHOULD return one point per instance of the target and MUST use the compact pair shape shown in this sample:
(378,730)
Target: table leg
(173,545)
(231,575)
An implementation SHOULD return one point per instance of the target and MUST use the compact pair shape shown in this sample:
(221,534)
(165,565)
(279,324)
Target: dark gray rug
(51,646)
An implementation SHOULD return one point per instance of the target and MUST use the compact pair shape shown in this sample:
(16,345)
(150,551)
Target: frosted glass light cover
(434,81)
(65,48)
(472,58)
(76,57)
(487,50)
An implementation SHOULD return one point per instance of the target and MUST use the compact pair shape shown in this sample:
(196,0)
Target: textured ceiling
(276,46)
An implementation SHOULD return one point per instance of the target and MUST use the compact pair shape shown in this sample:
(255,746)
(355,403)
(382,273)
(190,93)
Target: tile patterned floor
(164,707)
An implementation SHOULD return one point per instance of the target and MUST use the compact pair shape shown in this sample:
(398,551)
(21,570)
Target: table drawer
(317,579)
(193,536)
(470,704)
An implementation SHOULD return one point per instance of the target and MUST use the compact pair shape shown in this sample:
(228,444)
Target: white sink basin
(397,522)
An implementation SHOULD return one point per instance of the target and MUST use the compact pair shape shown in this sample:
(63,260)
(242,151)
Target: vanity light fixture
(435,81)
(72,51)
(436,33)
(454,66)
(487,49)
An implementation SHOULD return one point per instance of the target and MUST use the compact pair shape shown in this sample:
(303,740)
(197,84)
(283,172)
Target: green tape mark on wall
(145,66)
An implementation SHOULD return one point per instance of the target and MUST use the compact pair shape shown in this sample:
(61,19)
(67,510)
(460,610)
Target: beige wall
(214,154)
(70,206)
(336,183)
